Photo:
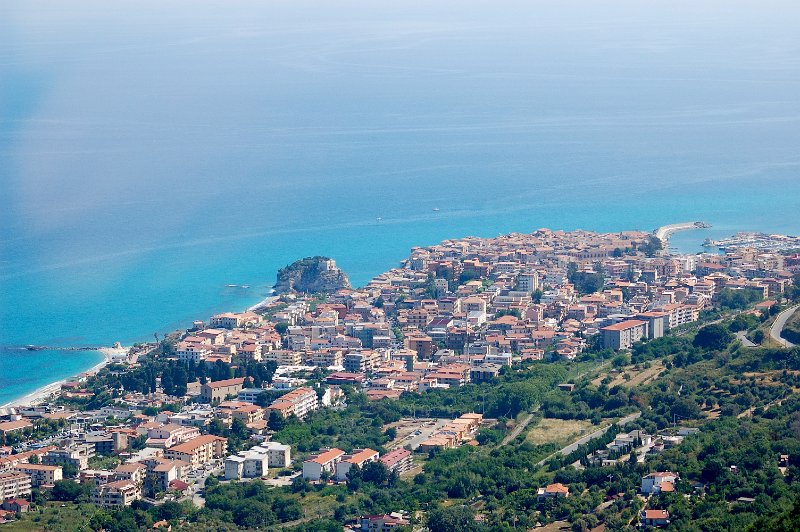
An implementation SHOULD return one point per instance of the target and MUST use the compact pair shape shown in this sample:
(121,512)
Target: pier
(664,232)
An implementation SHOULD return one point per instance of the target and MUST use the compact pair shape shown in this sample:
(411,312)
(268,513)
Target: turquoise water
(151,154)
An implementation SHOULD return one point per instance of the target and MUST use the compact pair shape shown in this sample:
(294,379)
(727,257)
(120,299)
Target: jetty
(664,232)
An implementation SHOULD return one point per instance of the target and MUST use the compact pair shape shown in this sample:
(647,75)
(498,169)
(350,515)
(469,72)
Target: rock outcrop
(311,275)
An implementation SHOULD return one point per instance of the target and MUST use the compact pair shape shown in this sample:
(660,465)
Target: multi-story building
(219,390)
(77,455)
(324,462)
(198,451)
(41,474)
(298,402)
(624,334)
(358,458)
(14,484)
(170,434)
(116,494)
(400,460)
(283,357)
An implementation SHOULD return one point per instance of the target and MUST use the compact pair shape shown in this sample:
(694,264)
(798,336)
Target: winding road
(778,325)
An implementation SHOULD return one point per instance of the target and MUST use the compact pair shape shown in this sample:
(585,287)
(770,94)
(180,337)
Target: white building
(359,458)
(324,462)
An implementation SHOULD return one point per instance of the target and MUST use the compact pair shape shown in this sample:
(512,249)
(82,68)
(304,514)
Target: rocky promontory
(311,275)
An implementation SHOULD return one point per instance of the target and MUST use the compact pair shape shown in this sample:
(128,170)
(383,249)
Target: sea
(159,161)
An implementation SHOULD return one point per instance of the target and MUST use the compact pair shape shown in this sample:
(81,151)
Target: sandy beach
(264,303)
(44,393)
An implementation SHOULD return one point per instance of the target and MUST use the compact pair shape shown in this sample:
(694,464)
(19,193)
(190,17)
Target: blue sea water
(153,153)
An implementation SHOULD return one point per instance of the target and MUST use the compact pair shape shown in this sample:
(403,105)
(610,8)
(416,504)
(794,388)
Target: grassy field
(557,431)
(54,516)
(638,375)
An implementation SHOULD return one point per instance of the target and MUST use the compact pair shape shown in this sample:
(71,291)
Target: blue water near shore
(151,154)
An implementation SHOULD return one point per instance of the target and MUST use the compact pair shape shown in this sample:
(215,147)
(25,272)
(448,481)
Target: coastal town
(162,424)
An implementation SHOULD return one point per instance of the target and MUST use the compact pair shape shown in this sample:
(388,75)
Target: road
(596,434)
(742,337)
(519,428)
(779,323)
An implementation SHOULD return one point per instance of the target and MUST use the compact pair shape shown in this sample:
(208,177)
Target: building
(116,494)
(656,518)
(170,434)
(247,464)
(279,455)
(358,458)
(658,482)
(382,523)
(553,491)
(324,462)
(298,402)
(134,471)
(41,474)
(10,427)
(198,451)
(219,390)
(624,334)
(484,372)
(400,460)
(77,455)
(14,484)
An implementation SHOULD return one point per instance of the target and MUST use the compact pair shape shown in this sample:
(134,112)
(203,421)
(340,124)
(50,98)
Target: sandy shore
(264,303)
(44,393)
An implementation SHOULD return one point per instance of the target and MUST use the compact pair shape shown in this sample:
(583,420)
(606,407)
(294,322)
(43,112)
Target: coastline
(45,392)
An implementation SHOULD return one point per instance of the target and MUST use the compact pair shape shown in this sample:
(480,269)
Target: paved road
(519,428)
(780,322)
(742,337)
(596,434)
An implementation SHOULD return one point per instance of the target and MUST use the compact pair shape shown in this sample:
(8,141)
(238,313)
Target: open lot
(558,430)
(638,375)
(414,431)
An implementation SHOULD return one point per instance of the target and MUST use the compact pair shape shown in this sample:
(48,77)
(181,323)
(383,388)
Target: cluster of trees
(585,282)
(729,299)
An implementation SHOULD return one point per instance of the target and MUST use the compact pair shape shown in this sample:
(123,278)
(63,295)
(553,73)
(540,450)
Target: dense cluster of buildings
(461,311)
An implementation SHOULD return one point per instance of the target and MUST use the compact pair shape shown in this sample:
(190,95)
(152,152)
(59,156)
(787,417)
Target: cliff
(311,275)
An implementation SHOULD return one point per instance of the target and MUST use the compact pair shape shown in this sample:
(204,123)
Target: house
(655,483)
(324,462)
(382,523)
(657,518)
(219,390)
(358,458)
(18,506)
(553,491)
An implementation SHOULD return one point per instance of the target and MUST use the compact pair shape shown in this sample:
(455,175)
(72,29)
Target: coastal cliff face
(311,275)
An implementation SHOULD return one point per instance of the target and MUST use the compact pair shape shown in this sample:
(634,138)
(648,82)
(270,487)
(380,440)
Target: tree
(69,490)
(714,337)
(452,518)
(275,421)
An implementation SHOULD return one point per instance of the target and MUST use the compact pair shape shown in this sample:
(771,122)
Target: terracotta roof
(226,382)
(194,443)
(623,325)
(327,456)
(362,456)
(656,514)
(557,488)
